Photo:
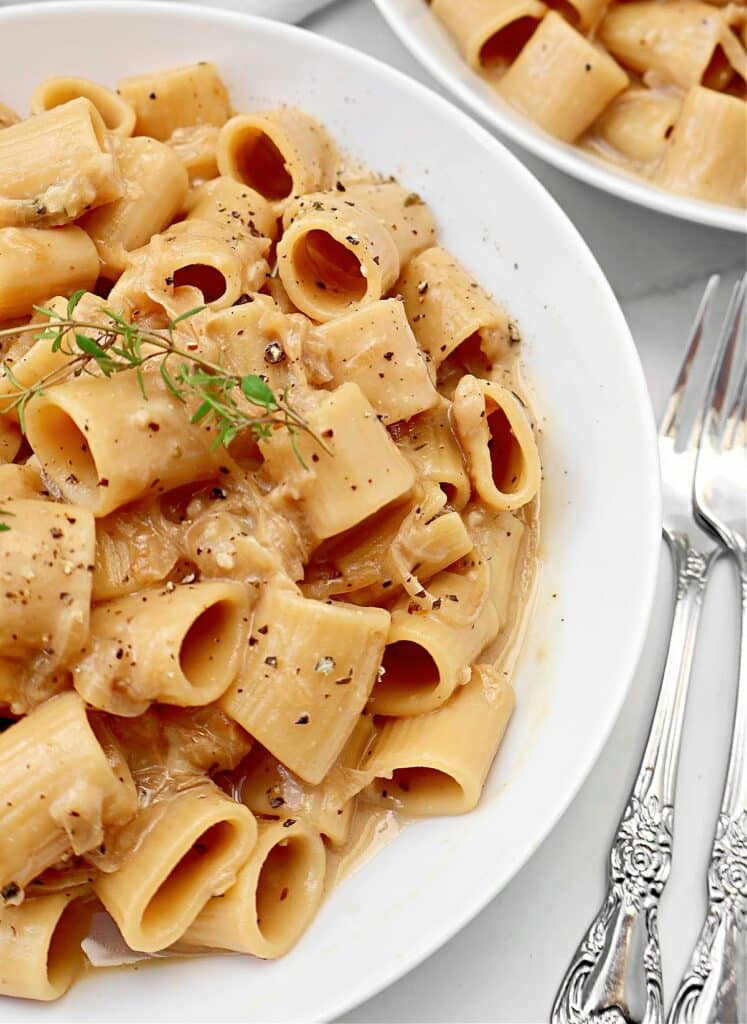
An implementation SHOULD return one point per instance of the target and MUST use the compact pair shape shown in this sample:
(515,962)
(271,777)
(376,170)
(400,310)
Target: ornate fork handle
(615,976)
(714,988)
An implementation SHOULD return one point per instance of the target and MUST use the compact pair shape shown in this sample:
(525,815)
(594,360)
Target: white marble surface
(505,966)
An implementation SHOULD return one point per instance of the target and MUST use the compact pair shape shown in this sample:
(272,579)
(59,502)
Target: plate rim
(555,152)
(377,980)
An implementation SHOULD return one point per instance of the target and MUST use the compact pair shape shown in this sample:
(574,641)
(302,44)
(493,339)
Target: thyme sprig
(116,345)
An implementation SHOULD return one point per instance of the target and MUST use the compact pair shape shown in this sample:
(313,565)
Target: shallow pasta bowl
(428,41)
(601,514)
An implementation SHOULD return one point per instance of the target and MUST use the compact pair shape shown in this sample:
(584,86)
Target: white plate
(601,500)
(430,43)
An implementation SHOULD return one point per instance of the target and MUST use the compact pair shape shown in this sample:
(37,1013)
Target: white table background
(506,965)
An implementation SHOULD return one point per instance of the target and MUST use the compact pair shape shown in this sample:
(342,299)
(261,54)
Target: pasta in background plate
(269,489)
(656,87)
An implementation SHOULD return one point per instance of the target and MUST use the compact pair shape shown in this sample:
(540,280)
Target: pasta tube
(78,431)
(375,348)
(687,43)
(21,481)
(276,895)
(36,263)
(707,152)
(334,258)
(405,214)
(193,263)
(498,539)
(46,562)
(175,854)
(496,436)
(233,206)
(638,123)
(154,187)
(306,677)
(404,546)
(256,338)
(31,360)
(179,645)
(335,488)
(437,763)
(164,101)
(489,32)
(451,316)
(271,791)
(60,802)
(560,80)
(279,153)
(196,146)
(55,166)
(40,945)
(429,651)
(429,443)
(116,113)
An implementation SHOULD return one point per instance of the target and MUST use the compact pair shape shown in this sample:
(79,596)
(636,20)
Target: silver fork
(615,976)
(714,988)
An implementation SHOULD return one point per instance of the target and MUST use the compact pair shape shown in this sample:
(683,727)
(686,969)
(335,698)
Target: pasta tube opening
(719,72)
(207,652)
(335,255)
(429,652)
(64,954)
(40,945)
(496,436)
(505,45)
(277,893)
(257,162)
(194,868)
(407,667)
(63,448)
(421,788)
(278,153)
(280,889)
(205,278)
(333,268)
(506,458)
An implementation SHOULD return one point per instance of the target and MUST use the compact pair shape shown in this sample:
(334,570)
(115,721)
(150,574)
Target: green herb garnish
(117,345)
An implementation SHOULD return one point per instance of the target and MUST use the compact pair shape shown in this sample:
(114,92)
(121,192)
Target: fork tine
(708,422)
(735,427)
(671,420)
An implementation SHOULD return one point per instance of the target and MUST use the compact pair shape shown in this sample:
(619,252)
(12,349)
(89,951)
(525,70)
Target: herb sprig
(118,345)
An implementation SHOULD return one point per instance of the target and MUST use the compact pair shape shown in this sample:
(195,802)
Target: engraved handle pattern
(616,973)
(615,976)
(714,988)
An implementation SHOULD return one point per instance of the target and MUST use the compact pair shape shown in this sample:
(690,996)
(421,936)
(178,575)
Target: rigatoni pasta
(40,945)
(629,82)
(279,154)
(116,112)
(269,490)
(55,166)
